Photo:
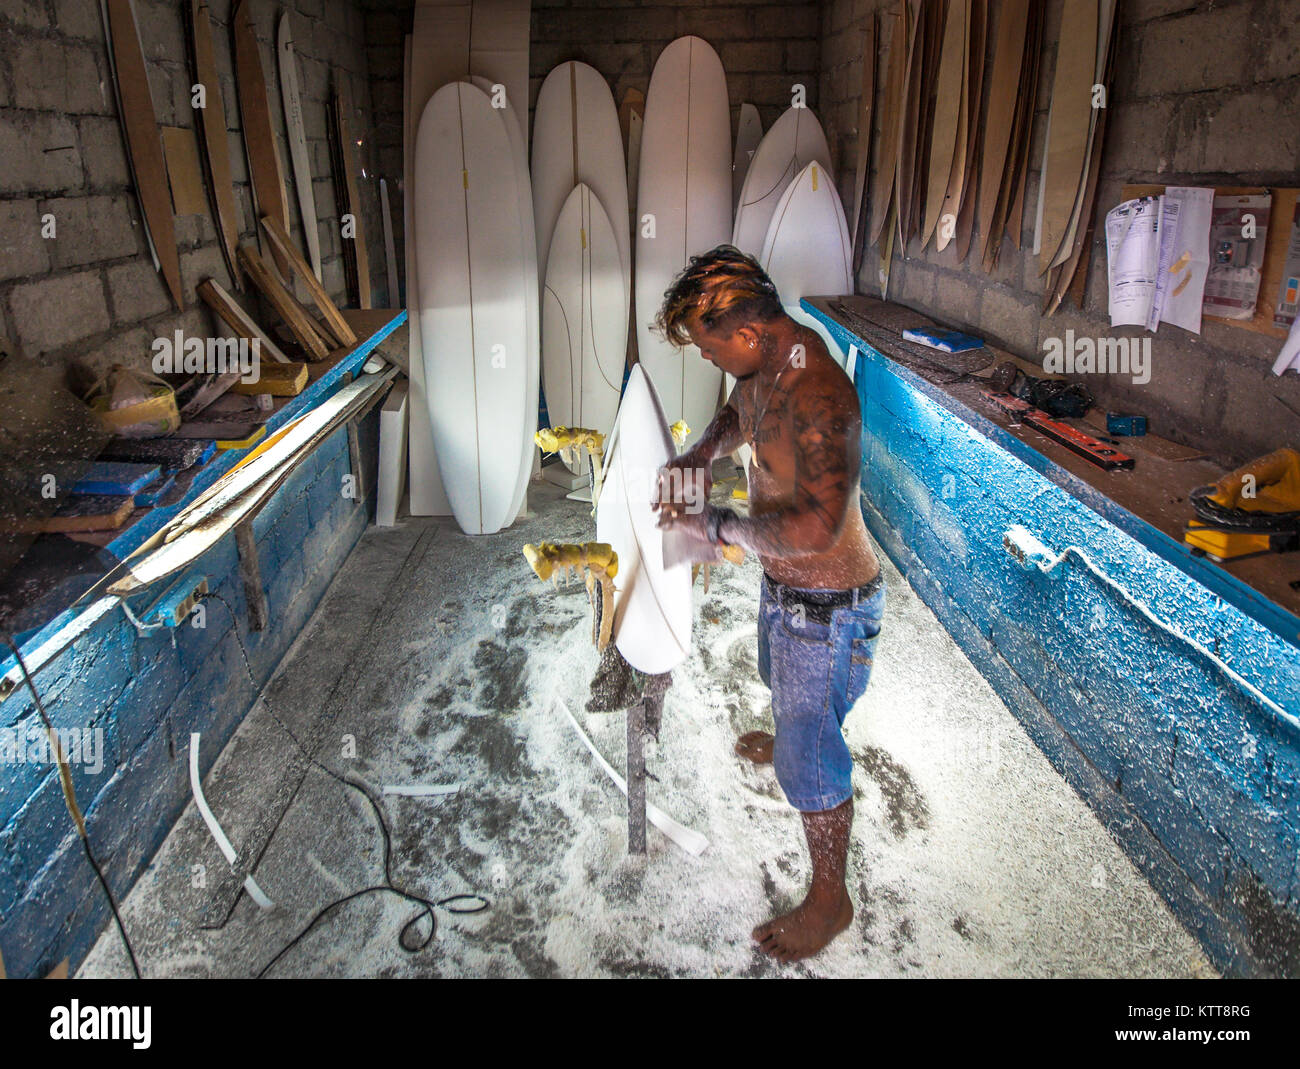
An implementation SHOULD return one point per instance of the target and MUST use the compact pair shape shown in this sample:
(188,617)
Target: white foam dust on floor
(970,855)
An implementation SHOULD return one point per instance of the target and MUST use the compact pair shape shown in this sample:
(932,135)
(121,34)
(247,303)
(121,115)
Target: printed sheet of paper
(1238,229)
(1289,357)
(1168,233)
(1185,256)
(1132,259)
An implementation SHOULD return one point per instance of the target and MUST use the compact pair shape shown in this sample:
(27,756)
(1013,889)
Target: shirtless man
(823,595)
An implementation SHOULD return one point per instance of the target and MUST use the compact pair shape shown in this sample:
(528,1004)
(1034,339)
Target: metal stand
(636,779)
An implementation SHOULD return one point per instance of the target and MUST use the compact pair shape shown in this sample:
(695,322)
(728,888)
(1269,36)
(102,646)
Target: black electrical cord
(1235,519)
(70,798)
(427,906)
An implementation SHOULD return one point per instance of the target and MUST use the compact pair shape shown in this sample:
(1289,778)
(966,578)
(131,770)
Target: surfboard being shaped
(807,251)
(528,247)
(652,604)
(795,140)
(473,288)
(584,318)
(685,185)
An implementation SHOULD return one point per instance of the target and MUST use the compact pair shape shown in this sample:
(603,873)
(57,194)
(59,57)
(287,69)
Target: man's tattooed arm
(827,462)
(722,436)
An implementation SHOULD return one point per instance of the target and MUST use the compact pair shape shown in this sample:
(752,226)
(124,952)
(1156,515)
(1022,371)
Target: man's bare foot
(805,930)
(757,746)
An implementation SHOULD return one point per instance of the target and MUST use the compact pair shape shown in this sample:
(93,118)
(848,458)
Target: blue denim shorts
(816,671)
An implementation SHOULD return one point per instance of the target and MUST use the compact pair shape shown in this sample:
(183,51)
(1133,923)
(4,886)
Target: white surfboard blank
(652,604)
(473,319)
(576,138)
(435,53)
(795,140)
(584,318)
(528,251)
(685,187)
(748,134)
(807,251)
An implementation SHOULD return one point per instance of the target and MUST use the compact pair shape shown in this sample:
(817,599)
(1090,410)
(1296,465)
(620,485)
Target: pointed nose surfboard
(473,287)
(584,317)
(652,603)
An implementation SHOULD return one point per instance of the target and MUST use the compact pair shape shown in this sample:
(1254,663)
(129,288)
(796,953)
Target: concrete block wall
(766,47)
(1206,92)
(146,693)
(1198,780)
(91,292)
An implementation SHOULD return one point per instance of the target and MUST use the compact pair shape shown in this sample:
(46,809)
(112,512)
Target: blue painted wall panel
(1198,779)
(147,696)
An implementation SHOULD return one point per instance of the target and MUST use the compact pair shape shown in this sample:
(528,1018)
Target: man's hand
(684,486)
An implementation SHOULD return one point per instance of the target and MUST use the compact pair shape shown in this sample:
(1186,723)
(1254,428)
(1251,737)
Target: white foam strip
(691,841)
(421,790)
(219,836)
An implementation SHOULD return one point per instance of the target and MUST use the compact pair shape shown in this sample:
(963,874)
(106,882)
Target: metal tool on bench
(1076,441)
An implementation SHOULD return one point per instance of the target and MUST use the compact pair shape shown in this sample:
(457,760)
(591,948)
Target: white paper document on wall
(1289,357)
(1132,260)
(1185,256)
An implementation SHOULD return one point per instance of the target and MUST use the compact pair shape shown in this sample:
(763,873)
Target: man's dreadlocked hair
(724,287)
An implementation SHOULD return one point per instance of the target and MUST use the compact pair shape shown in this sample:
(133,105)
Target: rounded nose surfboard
(528,244)
(473,286)
(685,185)
(652,604)
(807,251)
(584,317)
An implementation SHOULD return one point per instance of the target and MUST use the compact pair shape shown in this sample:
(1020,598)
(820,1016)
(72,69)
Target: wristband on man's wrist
(716,518)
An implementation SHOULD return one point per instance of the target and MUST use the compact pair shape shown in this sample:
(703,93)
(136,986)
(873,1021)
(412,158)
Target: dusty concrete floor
(444,657)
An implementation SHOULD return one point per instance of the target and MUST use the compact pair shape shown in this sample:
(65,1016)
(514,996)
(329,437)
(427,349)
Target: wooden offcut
(237,319)
(277,380)
(211,119)
(293,314)
(264,170)
(144,145)
(81,513)
(328,309)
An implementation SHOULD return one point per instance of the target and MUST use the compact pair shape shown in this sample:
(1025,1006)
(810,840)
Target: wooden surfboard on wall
(264,171)
(143,141)
(216,144)
(292,100)
(356,260)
